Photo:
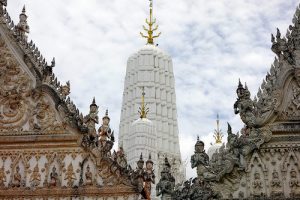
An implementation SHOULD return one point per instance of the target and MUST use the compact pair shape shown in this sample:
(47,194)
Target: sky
(212,44)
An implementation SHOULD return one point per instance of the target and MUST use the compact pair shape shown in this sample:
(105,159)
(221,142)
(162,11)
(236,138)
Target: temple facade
(48,148)
(150,72)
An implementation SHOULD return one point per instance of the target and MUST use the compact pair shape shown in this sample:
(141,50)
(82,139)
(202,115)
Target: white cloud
(212,44)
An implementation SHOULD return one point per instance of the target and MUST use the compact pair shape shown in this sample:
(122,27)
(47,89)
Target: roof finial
(150,30)
(218,134)
(143,110)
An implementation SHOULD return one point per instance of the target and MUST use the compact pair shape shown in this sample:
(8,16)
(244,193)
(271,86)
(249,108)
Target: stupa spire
(143,110)
(150,28)
(218,134)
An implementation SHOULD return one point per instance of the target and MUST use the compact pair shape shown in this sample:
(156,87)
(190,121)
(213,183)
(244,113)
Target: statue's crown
(199,142)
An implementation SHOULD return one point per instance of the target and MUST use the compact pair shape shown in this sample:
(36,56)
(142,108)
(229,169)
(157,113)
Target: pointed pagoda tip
(149,156)
(141,156)
(198,138)
(24,10)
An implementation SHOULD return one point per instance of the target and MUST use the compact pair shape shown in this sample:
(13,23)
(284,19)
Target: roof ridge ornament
(150,30)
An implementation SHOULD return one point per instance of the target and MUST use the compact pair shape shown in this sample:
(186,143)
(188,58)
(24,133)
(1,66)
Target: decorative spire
(93,103)
(240,84)
(143,111)
(106,115)
(240,88)
(218,134)
(23,11)
(150,30)
(141,159)
(149,159)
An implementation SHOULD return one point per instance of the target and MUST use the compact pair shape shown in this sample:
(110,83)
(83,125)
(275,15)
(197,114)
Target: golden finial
(218,134)
(143,111)
(150,31)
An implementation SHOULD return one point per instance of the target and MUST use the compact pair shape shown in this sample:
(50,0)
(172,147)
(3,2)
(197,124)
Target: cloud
(212,43)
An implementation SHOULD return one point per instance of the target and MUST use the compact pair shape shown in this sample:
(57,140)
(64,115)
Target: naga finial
(143,111)
(218,134)
(150,30)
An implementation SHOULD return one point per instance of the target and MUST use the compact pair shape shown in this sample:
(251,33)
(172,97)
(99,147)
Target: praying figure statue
(88,176)
(200,159)
(17,178)
(104,131)
(35,177)
(22,27)
(53,177)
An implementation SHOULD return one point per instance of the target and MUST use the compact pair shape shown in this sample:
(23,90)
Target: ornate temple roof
(43,72)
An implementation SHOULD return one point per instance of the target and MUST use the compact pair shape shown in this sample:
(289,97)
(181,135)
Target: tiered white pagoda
(150,71)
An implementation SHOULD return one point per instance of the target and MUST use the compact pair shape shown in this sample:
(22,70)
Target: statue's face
(199,148)
(149,165)
(93,108)
(22,18)
(66,89)
(140,165)
(105,121)
(53,169)
(240,93)
(88,169)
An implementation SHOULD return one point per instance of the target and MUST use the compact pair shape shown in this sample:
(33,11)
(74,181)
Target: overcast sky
(213,43)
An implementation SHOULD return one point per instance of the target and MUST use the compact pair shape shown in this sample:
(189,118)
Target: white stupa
(218,140)
(150,71)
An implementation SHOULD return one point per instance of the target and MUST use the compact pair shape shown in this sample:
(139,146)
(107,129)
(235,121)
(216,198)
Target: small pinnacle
(23,10)
(141,156)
